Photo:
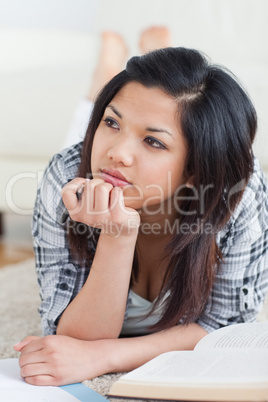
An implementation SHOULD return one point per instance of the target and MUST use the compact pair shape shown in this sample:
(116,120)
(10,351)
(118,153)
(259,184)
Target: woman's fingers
(58,360)
(39,361)
(89,195)
(69,194)
(34,369)
(43,380)
(19,346)
(117,200)
(79,197)
(33,357)
(99,205)
(102,198)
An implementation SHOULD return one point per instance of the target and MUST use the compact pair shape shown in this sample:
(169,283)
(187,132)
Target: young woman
(166,232)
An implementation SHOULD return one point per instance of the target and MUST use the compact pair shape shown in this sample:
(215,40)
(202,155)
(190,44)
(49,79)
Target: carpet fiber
(19,300)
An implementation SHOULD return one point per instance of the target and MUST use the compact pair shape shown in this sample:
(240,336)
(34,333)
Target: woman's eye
(111,123)
(153,142)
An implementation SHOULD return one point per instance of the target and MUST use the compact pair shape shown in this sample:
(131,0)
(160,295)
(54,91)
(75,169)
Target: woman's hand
(98,310)
(59,360)
(100,205)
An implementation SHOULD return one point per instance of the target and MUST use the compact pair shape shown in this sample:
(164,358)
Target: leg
(154,38)
(111,61)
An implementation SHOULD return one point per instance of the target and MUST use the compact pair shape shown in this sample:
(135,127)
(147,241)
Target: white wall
(48,49)
(76,15)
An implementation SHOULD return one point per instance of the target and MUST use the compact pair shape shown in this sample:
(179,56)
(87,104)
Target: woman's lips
(114,177)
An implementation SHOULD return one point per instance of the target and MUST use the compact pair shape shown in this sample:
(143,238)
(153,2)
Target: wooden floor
(12,253)
(15,241)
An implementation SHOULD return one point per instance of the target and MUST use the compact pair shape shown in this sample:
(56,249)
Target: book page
(13,388)
(204,367)
(237,336)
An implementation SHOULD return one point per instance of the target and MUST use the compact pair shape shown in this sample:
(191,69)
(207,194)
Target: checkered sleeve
(59,276)
(242,280)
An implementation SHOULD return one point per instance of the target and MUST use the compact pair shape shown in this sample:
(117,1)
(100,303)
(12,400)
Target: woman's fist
(99,204)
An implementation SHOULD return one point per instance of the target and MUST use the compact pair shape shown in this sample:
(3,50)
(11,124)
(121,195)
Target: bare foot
(111,61)
(154,38)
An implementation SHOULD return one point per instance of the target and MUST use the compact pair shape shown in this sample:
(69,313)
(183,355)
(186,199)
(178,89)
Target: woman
(166,233)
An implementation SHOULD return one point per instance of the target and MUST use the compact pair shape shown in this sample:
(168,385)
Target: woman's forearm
(129,353)
(97,312)
(59,360)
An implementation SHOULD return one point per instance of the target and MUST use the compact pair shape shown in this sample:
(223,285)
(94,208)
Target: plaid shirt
(240,285)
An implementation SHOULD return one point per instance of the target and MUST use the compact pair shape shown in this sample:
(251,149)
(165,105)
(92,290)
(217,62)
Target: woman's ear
(190,182)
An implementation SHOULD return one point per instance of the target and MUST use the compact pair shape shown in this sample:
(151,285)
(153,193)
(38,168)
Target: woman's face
(139,146)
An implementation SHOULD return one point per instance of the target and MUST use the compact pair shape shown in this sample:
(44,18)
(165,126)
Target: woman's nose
(122,152)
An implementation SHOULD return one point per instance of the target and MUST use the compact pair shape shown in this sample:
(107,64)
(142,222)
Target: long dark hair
(219,123)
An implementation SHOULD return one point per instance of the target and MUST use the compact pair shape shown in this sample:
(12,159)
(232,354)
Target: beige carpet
(19,300)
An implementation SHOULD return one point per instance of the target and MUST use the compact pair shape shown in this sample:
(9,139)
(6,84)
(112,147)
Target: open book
(230,364)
